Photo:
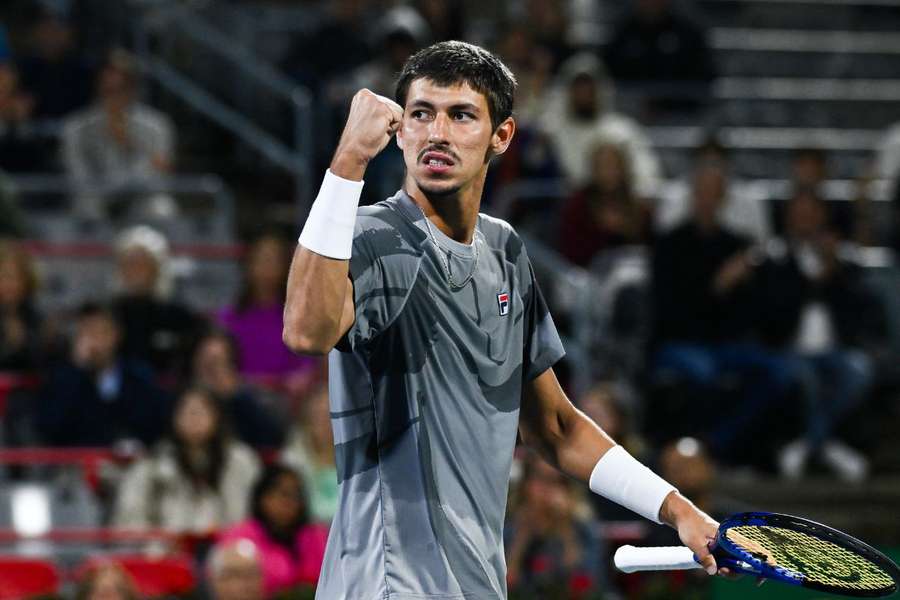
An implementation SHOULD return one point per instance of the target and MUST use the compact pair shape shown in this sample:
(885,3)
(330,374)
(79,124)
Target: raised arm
(572,442)
(319,306)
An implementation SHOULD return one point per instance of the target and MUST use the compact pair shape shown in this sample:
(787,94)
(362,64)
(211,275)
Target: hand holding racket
(784,548)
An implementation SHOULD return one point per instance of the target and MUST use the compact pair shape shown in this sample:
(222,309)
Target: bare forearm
(583,447)
(573,444)
(316,293)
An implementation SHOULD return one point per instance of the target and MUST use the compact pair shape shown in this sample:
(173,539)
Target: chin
(438,188)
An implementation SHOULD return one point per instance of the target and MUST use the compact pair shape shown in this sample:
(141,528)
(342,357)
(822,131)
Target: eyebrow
(468,106)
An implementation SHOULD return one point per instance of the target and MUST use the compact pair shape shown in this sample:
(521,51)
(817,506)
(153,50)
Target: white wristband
(329,227)
(619,477)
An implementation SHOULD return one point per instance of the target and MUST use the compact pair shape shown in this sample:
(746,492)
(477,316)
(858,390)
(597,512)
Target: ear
(399,136)
(503,136)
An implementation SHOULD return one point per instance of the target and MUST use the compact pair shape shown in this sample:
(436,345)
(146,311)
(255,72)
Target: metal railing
(203,185)
(171,19)
(769,138)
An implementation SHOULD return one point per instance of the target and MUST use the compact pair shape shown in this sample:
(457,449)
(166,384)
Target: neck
(455,214)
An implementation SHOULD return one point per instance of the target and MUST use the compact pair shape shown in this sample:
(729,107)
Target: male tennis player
(440,349)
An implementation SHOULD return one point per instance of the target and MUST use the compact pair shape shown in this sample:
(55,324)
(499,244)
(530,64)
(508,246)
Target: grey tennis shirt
(425,390)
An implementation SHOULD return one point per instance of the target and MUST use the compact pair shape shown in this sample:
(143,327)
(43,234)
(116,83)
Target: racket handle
(629,559)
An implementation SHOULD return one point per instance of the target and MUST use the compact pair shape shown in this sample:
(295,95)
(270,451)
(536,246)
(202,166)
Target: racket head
(804,553)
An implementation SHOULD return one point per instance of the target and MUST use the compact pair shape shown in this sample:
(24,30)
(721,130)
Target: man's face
(96,341)
(447,137)
(583,97)
(709,190)
(139,272)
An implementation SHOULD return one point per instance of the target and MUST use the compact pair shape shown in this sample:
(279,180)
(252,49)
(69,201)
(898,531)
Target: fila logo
(503,303)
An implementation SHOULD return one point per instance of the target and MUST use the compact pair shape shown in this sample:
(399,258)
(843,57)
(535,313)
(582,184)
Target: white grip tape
(630,559)
(329,228)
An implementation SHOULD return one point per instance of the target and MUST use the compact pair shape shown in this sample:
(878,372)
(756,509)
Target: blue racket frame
(728,554)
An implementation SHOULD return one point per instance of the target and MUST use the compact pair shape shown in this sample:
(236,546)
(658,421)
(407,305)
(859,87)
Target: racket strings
(816,559)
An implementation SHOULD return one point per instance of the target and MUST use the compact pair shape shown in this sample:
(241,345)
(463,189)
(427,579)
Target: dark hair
(211,332)
(450,63)
(245,297)
(266,483)
(89,310)
(211,473)
(711,146)
(813,153)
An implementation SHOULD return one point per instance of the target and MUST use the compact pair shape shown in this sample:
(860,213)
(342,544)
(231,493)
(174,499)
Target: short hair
(814,153)
(451,63)
(91,309)
(266,482)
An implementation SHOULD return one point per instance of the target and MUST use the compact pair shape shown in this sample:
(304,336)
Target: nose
(437,133)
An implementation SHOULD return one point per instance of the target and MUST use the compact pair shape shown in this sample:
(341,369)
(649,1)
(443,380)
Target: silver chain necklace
(440,252)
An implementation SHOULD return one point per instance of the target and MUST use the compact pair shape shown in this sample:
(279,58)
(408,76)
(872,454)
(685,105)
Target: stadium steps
(868,511)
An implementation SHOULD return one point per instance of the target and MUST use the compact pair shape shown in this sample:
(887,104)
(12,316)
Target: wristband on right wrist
(328,230)
(619,477)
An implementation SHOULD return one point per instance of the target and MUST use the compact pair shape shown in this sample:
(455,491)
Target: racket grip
(630,559)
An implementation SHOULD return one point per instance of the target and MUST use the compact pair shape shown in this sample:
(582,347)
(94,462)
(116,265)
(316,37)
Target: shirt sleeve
(543,346)
(382,269)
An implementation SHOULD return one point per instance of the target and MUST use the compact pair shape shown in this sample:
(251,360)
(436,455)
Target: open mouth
(437,162)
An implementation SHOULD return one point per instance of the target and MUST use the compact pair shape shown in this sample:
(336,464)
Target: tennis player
(441,349)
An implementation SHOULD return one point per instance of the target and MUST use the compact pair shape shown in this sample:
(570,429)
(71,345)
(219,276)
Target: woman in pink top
(291,549)
(255,319)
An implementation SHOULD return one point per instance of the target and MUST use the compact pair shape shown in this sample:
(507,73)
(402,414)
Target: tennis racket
(783,548)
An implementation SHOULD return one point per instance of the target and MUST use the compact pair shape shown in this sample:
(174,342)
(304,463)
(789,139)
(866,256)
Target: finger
(708,562)
(396,109)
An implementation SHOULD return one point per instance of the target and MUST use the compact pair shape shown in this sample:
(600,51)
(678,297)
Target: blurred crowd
(760,336)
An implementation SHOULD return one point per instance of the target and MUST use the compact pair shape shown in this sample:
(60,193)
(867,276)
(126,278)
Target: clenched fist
(373,119)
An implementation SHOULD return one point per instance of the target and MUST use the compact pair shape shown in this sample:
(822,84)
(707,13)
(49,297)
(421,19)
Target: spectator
(533,66)
(20,335)
(605,213)
(656,44)
(108,581)
(98,397)
(52,70)
(118,145)
(291,549)
(194,481)
(255,319)
(214,365)
(605,403)
(744,209)
(399,33)
(820,315)
(310,450)
(552,549)
(809,168)
(20,148)
(702,314)
(155,328)
(234,570)
(580,112)
(548,21)
(810,171)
